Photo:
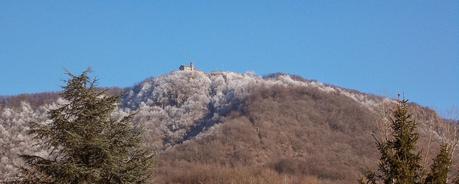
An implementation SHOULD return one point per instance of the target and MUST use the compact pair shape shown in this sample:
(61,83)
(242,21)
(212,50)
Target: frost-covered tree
(86,143)
(172,108)
(171,105)
(14,139)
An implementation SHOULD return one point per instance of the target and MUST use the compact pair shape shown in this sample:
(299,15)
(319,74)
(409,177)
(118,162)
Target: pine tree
(440,167)
(399,161)
(86,144)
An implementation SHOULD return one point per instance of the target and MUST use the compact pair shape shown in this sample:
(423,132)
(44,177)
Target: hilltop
(233,127)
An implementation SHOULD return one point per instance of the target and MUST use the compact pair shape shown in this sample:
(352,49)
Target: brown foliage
(294,132)
(38,99)
(191,173)
(35,100)
(280,135)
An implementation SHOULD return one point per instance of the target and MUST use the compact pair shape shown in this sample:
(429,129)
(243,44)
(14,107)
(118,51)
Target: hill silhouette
(226,127)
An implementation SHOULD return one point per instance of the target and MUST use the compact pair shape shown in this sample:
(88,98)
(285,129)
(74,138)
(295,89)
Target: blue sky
(379,47)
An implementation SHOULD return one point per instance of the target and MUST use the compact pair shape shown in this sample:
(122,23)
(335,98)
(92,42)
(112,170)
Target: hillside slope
(298,133)
(231,127)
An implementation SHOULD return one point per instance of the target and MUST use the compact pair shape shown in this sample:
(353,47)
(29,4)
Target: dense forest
(226,127)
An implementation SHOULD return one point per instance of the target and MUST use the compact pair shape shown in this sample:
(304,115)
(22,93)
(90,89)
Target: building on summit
(187,68)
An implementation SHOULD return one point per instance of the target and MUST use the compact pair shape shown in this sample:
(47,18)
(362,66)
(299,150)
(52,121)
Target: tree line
(86,144)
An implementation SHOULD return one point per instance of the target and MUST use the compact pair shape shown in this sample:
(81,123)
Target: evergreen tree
(440,167)
(86,144)
(399,162)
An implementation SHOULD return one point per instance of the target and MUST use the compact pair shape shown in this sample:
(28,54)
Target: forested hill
(234,127)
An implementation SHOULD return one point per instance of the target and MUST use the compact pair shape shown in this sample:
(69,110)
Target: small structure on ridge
(187,68)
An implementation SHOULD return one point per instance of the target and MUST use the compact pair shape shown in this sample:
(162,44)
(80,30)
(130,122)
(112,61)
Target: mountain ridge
(184,112)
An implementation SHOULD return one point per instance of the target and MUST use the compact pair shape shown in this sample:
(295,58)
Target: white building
(187,68)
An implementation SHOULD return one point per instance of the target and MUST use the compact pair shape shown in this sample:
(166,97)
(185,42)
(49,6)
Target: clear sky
(379,47)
